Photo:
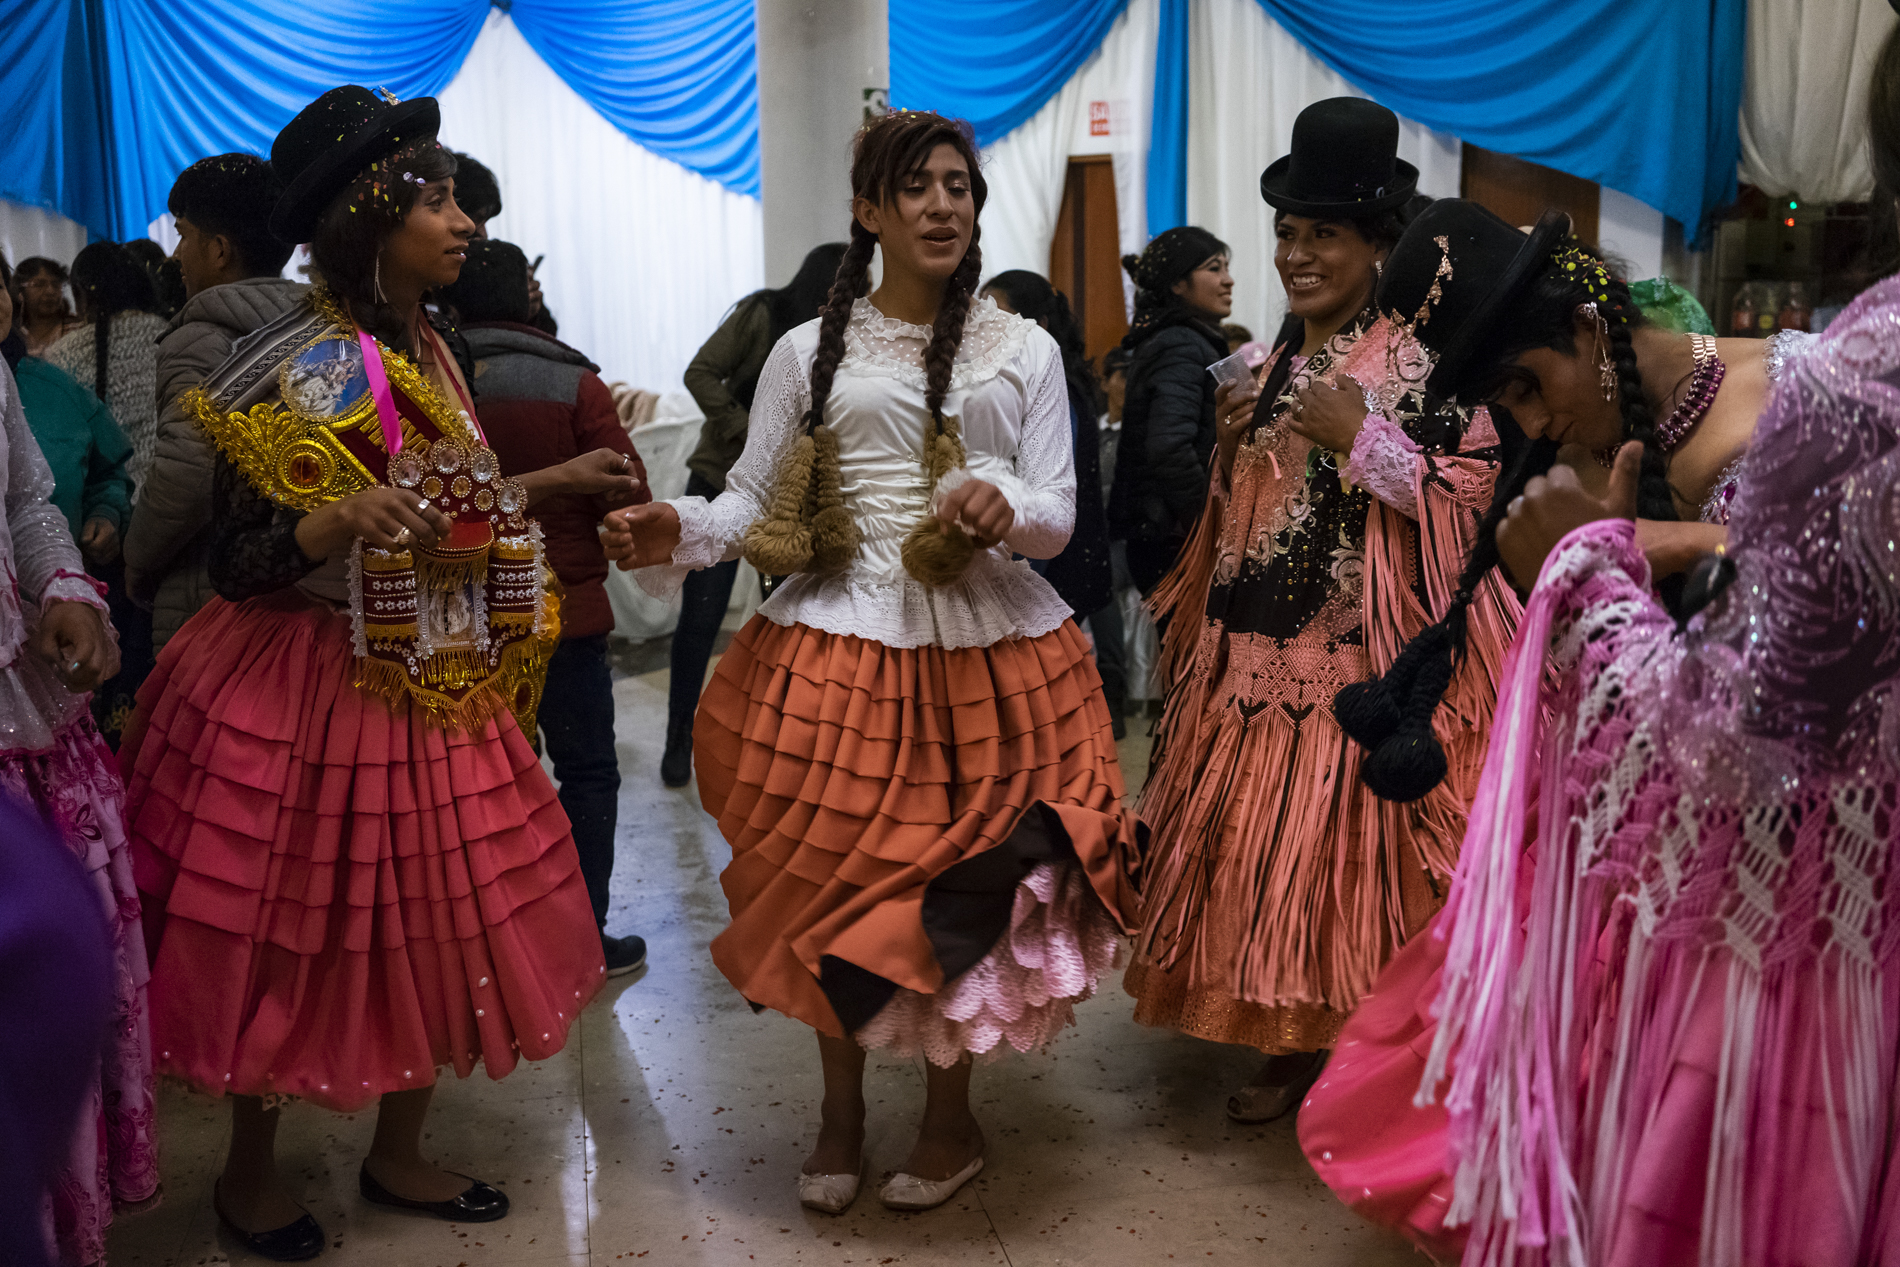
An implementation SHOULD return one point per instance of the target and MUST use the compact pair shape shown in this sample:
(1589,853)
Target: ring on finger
(1517,504)
(422,506)
(403,537)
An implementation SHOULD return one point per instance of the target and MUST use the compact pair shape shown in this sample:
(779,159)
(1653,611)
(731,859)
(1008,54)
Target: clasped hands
(646,536)
(1328,414)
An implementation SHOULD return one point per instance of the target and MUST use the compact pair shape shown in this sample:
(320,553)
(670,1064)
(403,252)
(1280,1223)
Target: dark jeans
(702,609)
(1149,561)
(577,722)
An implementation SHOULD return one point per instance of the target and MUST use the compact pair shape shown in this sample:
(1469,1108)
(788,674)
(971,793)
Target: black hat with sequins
(1454,276)
(1345,162)
(332,139)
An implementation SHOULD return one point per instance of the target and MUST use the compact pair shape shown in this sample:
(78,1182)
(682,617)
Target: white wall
(816,60)
(26,231)
(1632,231)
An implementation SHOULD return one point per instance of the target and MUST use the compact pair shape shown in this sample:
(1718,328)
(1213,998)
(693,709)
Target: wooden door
(1519,190)
(1085,258)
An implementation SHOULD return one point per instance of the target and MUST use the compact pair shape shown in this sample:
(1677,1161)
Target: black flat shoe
(292,1243)
(676,763)
(479,1203)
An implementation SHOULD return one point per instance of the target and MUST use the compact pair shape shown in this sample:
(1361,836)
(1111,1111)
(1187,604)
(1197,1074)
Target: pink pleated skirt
(342,896)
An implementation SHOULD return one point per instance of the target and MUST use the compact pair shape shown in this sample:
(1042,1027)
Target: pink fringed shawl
(1688,1051)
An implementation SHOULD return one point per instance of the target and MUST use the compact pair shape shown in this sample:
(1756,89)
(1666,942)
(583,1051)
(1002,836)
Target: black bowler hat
(1478,265)
(1344,162)
(331,140)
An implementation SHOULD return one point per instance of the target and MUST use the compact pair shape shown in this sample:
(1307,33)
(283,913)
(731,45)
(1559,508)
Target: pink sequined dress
(52,758)
(1659,1022)
(1278,884)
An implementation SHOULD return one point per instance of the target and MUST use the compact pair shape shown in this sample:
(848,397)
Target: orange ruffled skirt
(341,896)
(930,849)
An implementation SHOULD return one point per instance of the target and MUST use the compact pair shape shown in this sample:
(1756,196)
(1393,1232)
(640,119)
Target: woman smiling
(1340,510)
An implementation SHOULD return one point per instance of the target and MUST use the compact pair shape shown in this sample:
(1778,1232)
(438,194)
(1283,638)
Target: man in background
(232,268)
(541,403)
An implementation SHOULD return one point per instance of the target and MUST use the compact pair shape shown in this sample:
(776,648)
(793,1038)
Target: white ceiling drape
(1250,80)
(643,256)
(1804,96)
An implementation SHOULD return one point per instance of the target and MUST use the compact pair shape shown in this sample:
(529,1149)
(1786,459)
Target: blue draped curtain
(993,62)
(52,152)
(1168,129)
(1642,97)
(680,77)
(112,98)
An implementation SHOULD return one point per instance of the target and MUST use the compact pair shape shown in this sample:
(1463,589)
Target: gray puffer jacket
(169,541)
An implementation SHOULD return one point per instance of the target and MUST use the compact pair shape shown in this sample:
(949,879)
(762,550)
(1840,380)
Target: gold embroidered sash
(461,627)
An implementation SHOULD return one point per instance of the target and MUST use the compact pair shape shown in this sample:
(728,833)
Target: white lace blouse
(1007,390)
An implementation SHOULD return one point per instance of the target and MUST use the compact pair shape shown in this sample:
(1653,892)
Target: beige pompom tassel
(781,543)
(930,553)
(834,534)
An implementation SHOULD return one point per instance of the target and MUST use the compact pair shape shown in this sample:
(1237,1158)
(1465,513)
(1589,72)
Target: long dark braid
(112,282)
(852,284)
(797,532)
(929,553)
(1391,715)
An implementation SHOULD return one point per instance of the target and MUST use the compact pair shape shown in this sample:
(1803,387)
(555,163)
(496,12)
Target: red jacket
(541,403)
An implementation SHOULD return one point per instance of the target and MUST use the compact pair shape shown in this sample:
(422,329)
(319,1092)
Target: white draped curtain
(1249,80)
(28,231)
(1027,169)
(643,256)
(1804,96)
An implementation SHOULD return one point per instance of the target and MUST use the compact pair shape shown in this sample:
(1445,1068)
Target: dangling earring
(1378,268)
(381,298)
(1606,370)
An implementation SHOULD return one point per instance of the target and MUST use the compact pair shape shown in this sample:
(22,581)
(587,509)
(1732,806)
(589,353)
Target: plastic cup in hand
(1233,369)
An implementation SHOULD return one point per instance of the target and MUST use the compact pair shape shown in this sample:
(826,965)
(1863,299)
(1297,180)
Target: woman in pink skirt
(356,870)
(55,646)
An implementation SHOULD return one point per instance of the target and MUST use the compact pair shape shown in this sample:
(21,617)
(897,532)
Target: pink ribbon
(379,388)
(386,399)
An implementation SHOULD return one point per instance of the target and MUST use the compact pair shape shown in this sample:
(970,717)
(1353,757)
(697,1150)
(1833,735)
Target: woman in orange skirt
(355,872)
(907,748)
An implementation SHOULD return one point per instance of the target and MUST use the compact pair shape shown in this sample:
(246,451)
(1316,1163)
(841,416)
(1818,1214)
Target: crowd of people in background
(1521,648)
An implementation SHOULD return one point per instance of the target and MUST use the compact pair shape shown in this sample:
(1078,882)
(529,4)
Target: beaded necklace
(1703,385)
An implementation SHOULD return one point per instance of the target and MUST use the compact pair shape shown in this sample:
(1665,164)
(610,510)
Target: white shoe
(829,1194)
(908,1192)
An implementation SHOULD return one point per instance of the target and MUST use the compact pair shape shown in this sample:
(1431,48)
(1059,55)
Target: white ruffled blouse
(1008,392)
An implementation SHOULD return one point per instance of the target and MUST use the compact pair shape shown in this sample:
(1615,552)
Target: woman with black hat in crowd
(1539,323)
(1279,882)
(1183,292)
(355,872)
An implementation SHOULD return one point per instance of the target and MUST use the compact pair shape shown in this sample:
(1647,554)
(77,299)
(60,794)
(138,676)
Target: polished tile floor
(670,1129)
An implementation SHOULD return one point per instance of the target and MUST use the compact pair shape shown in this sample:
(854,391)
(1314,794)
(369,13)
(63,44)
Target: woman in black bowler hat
(1343,497)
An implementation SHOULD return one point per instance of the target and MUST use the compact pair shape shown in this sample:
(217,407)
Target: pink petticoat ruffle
(1060,943)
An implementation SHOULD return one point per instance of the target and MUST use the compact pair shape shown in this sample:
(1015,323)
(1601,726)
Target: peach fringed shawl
(1279,884)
